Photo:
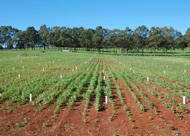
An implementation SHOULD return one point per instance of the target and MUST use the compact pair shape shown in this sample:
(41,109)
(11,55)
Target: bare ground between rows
(142,121)
(168,116)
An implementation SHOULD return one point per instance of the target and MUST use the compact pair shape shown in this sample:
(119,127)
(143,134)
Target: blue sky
(92,13)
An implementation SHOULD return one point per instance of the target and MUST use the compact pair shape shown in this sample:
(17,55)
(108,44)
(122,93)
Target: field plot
(65,94)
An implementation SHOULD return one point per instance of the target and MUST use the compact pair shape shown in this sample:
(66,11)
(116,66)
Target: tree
(43,35)
(124,39)
(98,37)
(32,37)
(86,38)
(174,34)
(165,33)
(54,36)
(154,38)
(1,47)
(6,33)
(110,39)
(187,36)
(10,44)
(19,39)
(181,42)
(141,34)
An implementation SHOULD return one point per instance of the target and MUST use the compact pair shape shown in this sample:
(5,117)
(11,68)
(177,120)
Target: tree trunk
(44,47)
(172,50)
(142,51)
(122,51)
(166,53)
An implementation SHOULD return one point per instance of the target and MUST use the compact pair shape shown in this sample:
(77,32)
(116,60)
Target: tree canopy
(164,38)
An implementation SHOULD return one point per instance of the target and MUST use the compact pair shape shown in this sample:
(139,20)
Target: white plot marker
(43,69)
(185,71)
(13,68)
(106,99)
(148,79)
(103,71)
(18,76)
(22,67)
(164,72)
(183,99)
(76,68)
(30,97)
(61,77)
(133,71)
(73,70)
(130,69)
(104,77)
(18,55)
(167,66)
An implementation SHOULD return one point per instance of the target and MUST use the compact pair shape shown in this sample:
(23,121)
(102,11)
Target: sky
(109,14)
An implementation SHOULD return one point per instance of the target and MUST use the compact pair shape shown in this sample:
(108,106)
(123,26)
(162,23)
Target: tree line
(157,38)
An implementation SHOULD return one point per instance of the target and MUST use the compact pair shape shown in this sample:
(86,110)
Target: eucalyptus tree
(181,43)
(10,44)
(75,34)
(6,33)
(98,37)
(43,35)
(141,34)
(1,47)
(19,39)
(111,39)
(174,34)
(106,41)
(154,39)
(124,40)
(54,36)
(32,37)
(63,38)
(165,33)
(86,38)
(187,36)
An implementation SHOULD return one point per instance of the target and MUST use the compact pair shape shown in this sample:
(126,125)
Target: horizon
(90,14)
